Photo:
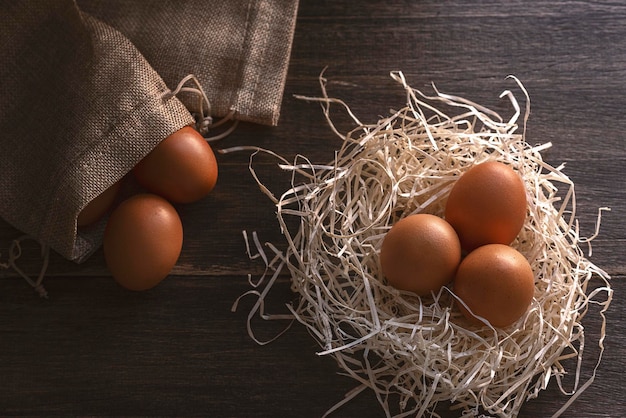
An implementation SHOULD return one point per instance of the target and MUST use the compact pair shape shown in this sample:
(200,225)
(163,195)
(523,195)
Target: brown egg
(142,241)
(420,253)
(497,283)
(182,168)
(96,209)
(487,205)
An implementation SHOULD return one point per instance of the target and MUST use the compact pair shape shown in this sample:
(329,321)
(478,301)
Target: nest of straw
(416,352)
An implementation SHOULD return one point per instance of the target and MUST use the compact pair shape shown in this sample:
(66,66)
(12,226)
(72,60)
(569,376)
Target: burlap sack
(238,49)
(80,105)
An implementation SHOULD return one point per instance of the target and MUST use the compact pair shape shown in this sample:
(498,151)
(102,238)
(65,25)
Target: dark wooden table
(93,348)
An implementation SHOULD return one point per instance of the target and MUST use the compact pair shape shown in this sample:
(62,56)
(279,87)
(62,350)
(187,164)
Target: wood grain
(178,350)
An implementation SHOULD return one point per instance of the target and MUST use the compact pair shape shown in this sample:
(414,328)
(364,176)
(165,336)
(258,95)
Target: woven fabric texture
(81,103)
(238,49)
